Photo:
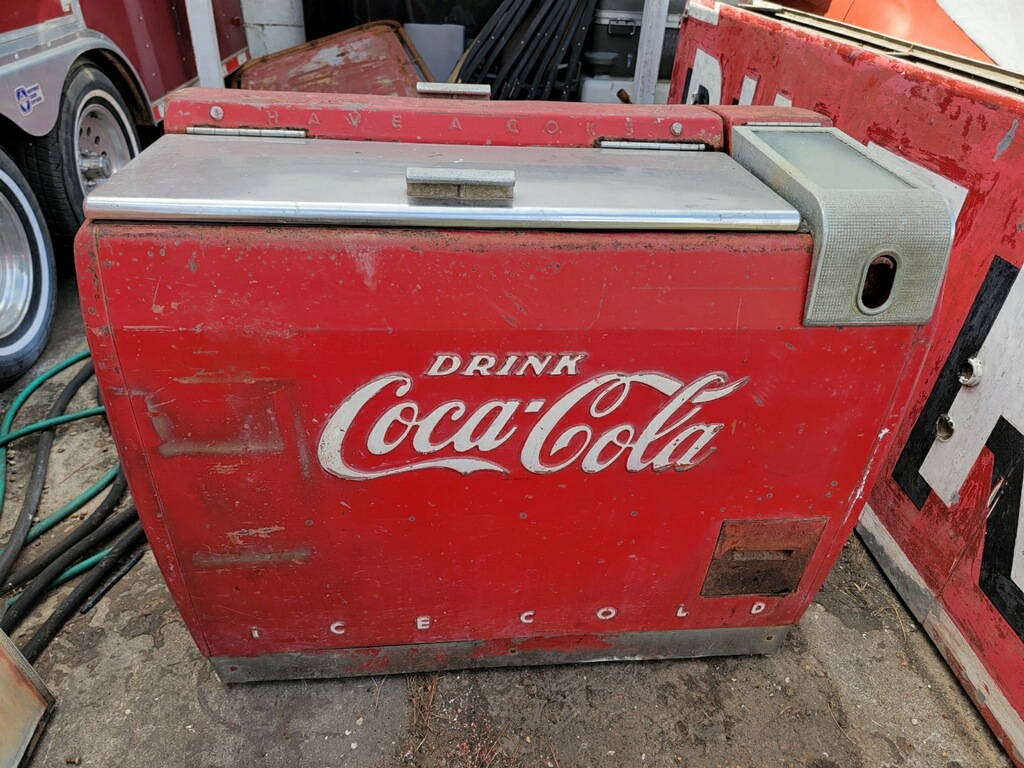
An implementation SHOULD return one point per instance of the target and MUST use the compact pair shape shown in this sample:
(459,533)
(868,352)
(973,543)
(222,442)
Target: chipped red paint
(375,58)
(376,118)
(226,354)
(967,132)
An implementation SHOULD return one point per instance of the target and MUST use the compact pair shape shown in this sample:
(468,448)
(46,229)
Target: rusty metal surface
(946,510)
(378,546)
(581,412)
(434,121)
(761,557)
(519,652)
(375,58)
(25,705)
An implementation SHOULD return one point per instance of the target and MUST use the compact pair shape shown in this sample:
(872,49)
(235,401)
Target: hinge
(263,133)
(784,124)
(666,146)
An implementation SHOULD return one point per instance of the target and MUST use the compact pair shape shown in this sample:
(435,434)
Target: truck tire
(94,137)
(27,279)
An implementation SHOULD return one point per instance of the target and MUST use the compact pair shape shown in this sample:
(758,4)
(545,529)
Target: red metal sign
(375,58)
(945,515)
(360,449)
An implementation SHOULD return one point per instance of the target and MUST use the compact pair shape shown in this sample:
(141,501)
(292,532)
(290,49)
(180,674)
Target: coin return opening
(879,279)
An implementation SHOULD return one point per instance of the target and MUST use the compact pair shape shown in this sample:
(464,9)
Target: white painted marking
(707,73)
(444,365)
(747,90)
(681,612)
(757,608)
(607,613)
(480,364)
(423,622)
(567,365)
(533,406)
(338,628)
(527,617)
(782,100)
(706,12)
(255,632)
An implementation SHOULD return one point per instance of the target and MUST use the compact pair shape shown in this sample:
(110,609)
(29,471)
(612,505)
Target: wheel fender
(42,72)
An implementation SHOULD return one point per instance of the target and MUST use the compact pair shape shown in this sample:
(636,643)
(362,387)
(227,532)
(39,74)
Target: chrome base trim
(522,652)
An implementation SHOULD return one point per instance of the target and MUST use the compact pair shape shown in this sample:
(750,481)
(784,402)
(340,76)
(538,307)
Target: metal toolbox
(512,384)
(614,37)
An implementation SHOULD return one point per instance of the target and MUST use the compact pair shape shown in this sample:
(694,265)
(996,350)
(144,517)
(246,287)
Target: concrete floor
(857,684)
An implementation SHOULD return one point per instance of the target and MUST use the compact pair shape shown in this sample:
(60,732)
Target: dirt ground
(857,684)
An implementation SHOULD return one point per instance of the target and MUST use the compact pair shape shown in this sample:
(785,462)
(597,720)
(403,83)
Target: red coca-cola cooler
(400,386)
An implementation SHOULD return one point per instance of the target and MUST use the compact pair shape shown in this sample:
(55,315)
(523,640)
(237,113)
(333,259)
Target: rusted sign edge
(19,681)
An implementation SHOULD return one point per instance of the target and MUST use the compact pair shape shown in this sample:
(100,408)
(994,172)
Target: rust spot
(236,537)
(250,557)
(761,557)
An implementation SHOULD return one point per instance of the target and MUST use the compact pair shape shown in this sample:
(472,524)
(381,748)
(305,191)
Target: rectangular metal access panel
(564,407)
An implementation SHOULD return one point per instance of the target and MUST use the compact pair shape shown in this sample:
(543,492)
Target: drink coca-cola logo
(637,421)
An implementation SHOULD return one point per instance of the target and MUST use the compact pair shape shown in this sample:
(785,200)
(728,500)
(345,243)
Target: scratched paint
(1004,144)
(375,58)
(410,542)
(962,132)
(394,561)
(377,118)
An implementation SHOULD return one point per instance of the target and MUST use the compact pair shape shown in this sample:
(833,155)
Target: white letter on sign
(422,622)
(449,364)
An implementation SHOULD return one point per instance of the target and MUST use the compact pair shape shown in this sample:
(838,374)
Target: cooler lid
(360,183)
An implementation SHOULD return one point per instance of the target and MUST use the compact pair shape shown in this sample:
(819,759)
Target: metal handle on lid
(454,90)
(460,185)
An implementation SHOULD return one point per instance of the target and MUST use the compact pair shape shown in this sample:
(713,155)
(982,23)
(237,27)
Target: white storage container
(614,37)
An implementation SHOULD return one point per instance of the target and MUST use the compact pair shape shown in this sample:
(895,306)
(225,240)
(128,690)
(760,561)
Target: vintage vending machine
(403,384)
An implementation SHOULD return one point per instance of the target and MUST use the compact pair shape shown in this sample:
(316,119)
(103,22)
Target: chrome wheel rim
(15,270)
(100,144)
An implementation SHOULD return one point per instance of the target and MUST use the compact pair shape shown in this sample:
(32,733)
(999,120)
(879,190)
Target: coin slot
(879,279)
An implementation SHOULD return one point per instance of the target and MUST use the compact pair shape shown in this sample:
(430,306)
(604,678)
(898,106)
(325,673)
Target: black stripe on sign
(990,299)
(1007,446)
(686,85)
